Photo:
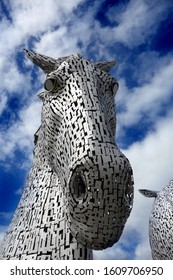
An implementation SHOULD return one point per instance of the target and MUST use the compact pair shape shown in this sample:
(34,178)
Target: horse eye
(50,84)
(115,88)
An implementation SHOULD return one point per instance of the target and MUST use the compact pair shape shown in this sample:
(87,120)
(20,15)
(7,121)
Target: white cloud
(114,253)
(20,134)
(143,251)
(13,80)
(137,21)
(152,165)
(65,39)
(149,98)
(57,43)
(148,64)
(3,102)
(152,157)
(31,19)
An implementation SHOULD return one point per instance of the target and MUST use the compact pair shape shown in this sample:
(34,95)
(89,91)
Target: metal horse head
(78,123)
(161,222)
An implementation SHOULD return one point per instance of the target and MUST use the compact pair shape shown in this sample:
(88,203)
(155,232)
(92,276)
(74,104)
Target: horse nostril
(78,187)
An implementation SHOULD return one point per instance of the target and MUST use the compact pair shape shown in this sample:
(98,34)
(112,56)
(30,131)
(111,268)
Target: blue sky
(139,35)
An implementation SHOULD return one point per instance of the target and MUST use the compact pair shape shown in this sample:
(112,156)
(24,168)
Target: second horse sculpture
(79,192)
(161,223)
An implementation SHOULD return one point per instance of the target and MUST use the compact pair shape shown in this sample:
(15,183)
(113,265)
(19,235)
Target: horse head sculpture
(79,127)
(161,222)
(79,192)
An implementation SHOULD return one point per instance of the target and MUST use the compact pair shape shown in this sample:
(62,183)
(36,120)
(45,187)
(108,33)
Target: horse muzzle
(99,199)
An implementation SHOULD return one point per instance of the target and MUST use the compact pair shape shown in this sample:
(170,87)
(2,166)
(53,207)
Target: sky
(139,35)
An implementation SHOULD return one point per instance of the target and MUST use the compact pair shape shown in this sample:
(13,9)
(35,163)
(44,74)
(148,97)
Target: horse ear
(46,63)
(105,65)
(148,193)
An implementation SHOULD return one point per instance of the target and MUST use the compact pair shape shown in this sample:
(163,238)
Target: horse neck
(39,228)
